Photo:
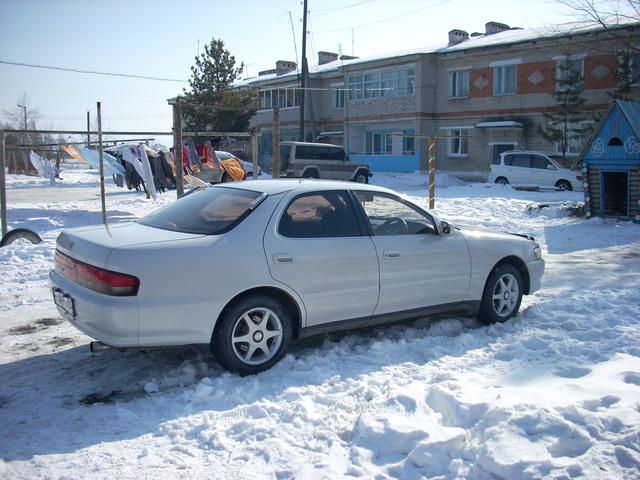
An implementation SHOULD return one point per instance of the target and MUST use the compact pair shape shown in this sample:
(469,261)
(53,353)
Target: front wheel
(502,181)
(502,295)
(255,333)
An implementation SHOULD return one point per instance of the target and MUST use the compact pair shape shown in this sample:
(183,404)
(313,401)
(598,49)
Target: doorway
(615,194)
(498,148)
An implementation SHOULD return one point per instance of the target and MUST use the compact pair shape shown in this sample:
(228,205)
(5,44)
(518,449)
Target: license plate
(65,302)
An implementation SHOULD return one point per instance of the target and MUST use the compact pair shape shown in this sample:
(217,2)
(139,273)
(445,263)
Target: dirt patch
(38,325)
(60,341)
(94,398)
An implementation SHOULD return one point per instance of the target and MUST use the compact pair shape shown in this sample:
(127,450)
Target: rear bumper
(114,321)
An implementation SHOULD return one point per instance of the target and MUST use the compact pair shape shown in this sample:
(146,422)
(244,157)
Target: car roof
(276,186)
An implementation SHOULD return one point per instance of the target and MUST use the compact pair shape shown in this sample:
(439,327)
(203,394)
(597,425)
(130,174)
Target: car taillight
(96,279)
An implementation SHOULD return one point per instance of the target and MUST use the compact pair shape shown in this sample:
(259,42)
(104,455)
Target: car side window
(320,215)
(542,163)
(389,215)
(519,160)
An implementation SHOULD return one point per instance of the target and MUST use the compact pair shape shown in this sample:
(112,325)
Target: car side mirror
(445,228)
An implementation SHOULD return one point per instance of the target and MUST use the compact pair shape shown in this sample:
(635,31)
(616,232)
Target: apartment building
(479,94)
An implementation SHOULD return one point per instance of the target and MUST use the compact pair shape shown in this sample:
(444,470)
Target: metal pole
(275,149)
(101,154)
(3,185)
(254,154)
(303,83)
(88,131)
(432,172)
(177,147)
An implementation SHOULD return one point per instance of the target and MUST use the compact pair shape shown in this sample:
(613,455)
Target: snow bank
(553,393)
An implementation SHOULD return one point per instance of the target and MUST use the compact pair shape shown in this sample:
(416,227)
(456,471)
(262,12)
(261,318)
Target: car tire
(311,174)
(502,295)
(502,181)
(18,233)
(564,185)
(225,178)
(361,177)
(254,334)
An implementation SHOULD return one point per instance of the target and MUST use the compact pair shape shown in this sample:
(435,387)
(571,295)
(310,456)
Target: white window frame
(338,96)
(458,143)
(284,97)
(459,80)
(575,144)
(571,58)
(500,79)
(397,82)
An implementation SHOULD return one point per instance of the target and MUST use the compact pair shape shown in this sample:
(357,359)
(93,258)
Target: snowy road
(553,393)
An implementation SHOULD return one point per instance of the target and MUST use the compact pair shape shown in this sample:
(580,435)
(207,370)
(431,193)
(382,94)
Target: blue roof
(631,111)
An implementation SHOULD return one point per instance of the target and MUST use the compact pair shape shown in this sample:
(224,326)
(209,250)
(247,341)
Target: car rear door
(418,267)
(543,172)
(518,167)
(317,246)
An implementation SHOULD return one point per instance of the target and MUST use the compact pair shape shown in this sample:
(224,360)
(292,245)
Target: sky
(161,38)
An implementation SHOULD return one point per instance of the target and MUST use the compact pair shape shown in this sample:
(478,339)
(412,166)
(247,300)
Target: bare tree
(610,15)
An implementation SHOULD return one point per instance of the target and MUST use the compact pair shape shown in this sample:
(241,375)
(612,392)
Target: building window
(281,97)
(504,80)
(569,72)
(382,143)
(390,83)
(458,143)
(338,96)
(459,84)
(577,133)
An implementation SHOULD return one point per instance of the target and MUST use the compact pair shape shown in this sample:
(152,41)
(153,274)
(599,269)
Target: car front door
(418,267)
(318,247)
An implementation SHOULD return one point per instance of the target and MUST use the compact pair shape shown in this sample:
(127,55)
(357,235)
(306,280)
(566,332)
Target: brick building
(481,94)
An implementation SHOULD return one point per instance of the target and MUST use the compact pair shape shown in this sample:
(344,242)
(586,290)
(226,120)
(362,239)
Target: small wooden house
(611,164)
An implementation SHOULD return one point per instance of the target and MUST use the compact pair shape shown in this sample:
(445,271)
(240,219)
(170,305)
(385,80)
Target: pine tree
(212,104)
(564,122)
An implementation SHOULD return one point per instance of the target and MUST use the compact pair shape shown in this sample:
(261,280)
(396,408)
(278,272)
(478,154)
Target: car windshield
(210,211)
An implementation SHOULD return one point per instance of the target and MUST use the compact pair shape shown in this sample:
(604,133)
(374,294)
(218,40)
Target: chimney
(285,66)
(457,36)
(326,57)
(494,27)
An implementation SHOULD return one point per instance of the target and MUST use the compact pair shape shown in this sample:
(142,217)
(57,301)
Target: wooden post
(58,163)
(254,154)
(3,185)
(101,155)
(88,131)
(432,172)
(177,148)
(275,149)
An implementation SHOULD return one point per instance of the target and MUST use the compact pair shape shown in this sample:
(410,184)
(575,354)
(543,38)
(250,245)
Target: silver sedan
(248,267)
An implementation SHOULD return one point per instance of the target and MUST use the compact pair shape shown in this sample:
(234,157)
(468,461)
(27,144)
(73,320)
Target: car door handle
(282,258)
(391,254)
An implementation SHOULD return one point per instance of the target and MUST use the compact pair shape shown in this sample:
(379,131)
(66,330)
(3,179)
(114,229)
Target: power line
(385,19)
(93,72)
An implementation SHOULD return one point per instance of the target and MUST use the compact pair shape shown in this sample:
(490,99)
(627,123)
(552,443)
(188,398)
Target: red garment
(185,156)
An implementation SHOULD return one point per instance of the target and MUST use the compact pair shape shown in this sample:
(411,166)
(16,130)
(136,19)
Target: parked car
(529,167)
(248,267)
(320,160)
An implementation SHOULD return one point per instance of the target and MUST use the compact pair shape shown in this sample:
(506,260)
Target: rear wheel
(254,334)
(563,185)
(311,174)
(502,181)
(502,295)
(361,177)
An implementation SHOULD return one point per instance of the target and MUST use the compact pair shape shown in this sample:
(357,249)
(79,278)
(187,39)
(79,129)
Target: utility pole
(88,131)
(25,137)
(305,71)
(275,149)
(101,156)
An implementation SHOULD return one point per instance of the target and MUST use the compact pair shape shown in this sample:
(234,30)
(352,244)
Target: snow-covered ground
(553,393)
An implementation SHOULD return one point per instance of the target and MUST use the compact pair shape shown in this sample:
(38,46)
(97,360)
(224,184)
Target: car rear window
(210,211)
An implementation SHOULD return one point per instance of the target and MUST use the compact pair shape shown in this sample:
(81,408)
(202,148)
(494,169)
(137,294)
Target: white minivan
(529,167)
